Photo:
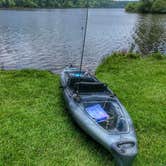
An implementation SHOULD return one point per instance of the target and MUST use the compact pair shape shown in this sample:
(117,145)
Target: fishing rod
(85,33)
(83,46)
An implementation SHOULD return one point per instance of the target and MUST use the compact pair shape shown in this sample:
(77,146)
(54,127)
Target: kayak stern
(124,153)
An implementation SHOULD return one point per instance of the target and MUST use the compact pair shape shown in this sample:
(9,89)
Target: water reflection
(150,34)
(40,39)
(51,39)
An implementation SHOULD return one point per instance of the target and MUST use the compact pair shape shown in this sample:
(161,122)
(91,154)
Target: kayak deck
(99,113)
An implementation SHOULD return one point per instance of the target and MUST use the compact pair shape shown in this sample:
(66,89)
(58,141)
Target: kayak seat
(74,80)
(90,87)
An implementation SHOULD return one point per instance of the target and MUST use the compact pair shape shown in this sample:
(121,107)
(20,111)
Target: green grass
(141,86)
(36,129)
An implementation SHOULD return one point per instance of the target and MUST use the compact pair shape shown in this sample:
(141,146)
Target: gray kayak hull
(109,140)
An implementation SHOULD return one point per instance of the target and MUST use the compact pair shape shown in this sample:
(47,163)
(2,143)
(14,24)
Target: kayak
(98,111)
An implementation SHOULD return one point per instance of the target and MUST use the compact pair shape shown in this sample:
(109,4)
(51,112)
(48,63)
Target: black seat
(74,80)
(90,87)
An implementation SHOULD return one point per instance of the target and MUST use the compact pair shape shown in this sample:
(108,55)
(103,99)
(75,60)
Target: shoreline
(26,8)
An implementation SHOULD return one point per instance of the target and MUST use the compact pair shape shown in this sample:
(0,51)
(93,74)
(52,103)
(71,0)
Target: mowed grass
(36,129)
(140,83)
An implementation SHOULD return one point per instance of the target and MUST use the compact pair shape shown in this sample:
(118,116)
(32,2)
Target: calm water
(52,39)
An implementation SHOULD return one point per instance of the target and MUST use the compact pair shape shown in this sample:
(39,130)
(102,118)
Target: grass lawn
(36,129)
(141,86)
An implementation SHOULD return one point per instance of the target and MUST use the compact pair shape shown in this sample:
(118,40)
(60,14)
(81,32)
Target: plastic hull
(111,141)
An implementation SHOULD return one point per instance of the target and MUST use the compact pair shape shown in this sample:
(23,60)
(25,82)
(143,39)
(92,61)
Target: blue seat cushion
(97,113)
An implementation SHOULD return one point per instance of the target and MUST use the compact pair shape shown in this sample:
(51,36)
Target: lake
(50,39)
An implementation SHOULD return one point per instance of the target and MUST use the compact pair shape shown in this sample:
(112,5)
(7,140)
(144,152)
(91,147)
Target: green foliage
(132,6)
(159,6)
(6,3)
(57,3)
(158,56)
(29,3)
(147,6)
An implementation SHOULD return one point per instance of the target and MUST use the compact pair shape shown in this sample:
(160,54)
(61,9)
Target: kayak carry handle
(126,142)
(121,147)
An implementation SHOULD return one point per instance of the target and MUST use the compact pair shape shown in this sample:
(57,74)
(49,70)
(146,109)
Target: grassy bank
(36,129)
(140,85)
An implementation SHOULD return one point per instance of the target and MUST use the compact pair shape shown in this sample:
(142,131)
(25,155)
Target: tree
(54,3)
(147,6)
(10,3)
(159,6)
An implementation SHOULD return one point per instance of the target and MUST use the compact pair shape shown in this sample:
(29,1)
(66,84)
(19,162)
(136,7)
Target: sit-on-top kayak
(100,114)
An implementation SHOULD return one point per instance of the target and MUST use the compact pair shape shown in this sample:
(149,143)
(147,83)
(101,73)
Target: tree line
(53,3)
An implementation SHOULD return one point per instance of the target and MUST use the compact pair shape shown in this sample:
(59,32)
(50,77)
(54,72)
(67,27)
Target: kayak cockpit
(108,115)
(97,101)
